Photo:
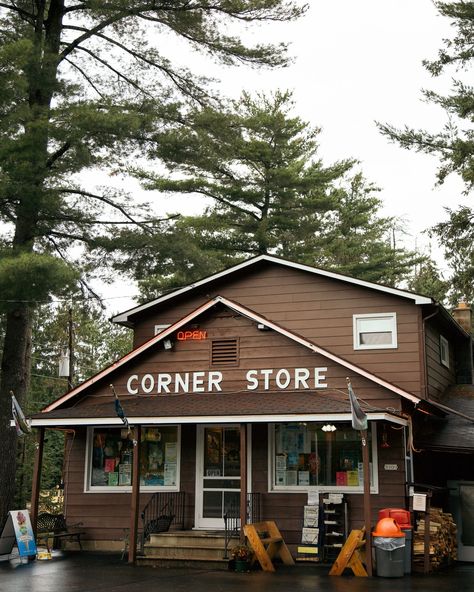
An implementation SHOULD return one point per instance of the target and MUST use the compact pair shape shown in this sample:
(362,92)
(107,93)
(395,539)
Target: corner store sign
(203,381)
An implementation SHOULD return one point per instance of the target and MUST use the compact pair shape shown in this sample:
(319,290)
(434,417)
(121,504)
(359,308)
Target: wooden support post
(135,503)
(426,551)
(243,480)
(36,482)
(367,504)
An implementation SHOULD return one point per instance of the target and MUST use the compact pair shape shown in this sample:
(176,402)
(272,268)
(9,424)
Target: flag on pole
(21,423)
(119,409)
(359,417)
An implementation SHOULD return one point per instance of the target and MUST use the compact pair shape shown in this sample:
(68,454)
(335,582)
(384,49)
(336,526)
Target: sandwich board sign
(18,531)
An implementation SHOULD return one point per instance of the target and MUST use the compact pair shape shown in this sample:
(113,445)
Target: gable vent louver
(224,352)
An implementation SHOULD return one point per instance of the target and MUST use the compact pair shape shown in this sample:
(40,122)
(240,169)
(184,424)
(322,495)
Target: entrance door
(217,474)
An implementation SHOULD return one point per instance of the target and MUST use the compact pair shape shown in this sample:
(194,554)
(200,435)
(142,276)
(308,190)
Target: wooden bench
(267,544)
(53,526)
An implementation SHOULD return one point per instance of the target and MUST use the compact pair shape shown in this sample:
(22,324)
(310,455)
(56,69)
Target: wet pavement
(104,572)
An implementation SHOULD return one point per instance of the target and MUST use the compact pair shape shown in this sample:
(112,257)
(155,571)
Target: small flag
(119,409)
(21,423)
(359,418)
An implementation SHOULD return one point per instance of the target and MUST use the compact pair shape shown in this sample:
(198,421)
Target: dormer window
(444,351)
(375,331)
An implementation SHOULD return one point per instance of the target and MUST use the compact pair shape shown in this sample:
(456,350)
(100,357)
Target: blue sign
(25,539)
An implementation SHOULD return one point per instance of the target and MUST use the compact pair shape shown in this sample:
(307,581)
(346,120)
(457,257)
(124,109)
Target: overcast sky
(357,62)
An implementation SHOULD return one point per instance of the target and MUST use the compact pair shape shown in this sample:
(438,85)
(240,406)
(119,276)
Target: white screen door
(217,474)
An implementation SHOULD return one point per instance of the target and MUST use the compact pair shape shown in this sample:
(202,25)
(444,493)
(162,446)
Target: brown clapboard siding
(438,376)
(317,308)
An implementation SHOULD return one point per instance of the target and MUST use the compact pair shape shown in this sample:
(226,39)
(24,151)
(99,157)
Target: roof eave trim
(188,419)
(123,318)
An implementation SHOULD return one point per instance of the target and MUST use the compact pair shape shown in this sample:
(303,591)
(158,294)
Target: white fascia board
(210,419)
(417,298)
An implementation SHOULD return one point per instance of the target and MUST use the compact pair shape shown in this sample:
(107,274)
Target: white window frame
(444,351)
(88,488)
(390,316)
(273,488)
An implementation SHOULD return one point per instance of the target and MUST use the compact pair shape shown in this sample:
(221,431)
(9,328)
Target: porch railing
(232,519)
(164,511)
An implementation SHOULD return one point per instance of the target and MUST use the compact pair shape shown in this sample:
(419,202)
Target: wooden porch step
(187,546)
(189,538)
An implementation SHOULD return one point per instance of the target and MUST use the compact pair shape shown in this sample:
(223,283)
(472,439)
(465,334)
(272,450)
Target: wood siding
(439,377)
(106,516)
(317,308)
(257,350)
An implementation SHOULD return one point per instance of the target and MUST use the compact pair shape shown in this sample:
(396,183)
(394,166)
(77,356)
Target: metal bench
(53,526)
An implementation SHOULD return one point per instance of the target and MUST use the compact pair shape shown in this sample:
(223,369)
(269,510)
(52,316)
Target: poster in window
(109,465)
(281,462)
(171,450)
(170,474)
(125,474)
(303,478)
(213,447)
(113,479)
(291,477)
(281,477)
(353,478)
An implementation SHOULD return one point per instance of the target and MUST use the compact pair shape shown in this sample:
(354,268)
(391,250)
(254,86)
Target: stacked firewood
(442,542)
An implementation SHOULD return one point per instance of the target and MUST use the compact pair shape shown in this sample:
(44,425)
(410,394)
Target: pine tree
(271,193)
(85,83)
(454,144)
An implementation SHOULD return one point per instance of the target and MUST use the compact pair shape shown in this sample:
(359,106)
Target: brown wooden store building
(236,389)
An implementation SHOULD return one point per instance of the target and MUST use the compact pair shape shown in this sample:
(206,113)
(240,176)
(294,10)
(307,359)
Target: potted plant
(241,554)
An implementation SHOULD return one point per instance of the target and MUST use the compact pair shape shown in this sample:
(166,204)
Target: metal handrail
(232,518)
(163,503)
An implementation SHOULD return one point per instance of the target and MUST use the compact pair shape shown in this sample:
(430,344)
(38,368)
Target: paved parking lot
(103,572)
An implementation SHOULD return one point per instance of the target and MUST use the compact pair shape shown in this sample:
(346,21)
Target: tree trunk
(27,191)
(15,375)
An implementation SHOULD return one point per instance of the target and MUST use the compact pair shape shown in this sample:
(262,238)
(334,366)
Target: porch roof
(329,405)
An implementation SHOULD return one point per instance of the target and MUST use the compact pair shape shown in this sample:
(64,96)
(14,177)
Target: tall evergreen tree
(270,193)
(454,144)
(85,83)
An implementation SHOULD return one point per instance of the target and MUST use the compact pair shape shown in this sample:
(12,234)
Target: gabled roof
(124,318)
(246,312)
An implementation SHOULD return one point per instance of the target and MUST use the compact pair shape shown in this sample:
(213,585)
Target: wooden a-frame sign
(350,556)
(267,544)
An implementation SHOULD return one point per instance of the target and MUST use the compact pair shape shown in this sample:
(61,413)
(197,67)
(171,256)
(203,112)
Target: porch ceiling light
(329,427)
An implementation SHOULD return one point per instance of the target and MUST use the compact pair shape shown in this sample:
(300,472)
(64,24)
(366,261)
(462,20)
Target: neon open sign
(191,335)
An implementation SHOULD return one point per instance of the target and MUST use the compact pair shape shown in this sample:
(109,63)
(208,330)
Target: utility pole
(71,352)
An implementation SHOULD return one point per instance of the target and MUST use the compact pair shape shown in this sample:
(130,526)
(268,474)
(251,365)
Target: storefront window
(111,457)
(318,455)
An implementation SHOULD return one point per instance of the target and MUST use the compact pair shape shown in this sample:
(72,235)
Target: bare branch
(23,13)
(89,80)
(107,201)
(119,74)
